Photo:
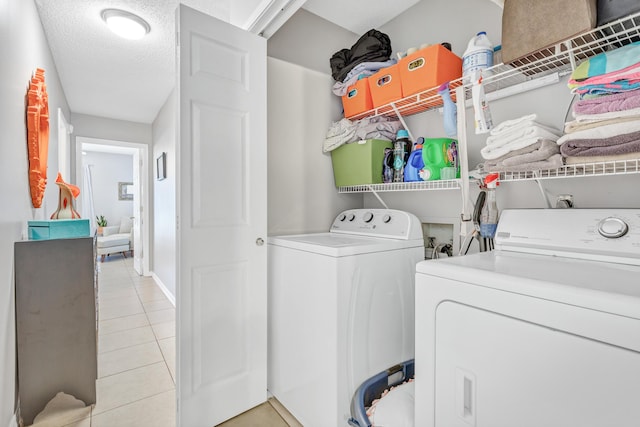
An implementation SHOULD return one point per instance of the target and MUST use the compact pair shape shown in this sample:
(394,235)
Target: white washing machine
(341,309)
(543,331)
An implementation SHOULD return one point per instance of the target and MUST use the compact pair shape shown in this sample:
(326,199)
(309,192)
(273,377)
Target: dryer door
(497,371)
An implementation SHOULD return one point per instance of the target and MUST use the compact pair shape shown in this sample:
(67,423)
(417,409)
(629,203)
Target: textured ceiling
(106,76)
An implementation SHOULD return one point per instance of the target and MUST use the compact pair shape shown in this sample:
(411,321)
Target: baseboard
(164,289)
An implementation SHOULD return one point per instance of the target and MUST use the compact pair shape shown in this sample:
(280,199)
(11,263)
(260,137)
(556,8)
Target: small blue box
(58,229)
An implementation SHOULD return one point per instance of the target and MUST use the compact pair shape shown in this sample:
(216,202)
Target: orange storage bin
(385,86)
(428,68)
(357,99)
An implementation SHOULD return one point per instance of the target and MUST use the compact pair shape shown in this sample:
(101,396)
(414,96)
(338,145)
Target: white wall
(164,205)
(308,40)
(23,48)
(302,197)
(107,171)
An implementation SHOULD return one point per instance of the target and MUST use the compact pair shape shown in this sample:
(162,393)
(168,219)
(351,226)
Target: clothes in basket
(386,399)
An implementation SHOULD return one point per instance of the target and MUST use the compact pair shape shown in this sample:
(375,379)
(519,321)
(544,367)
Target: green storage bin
(359,162)
(58,229)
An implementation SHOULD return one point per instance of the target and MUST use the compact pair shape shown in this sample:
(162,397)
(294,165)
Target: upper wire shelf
(561,58)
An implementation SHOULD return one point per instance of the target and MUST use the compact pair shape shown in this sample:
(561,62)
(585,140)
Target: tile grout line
(130,403)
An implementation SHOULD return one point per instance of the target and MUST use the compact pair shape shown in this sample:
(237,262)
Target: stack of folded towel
(521,145)
(606,125)
(608,72)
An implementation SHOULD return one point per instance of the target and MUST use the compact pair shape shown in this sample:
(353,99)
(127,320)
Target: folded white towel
(508,125)
(574,126)
(601,132)
(531,129)
(491,152)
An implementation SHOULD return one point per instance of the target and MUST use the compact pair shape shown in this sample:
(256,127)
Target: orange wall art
(37,136)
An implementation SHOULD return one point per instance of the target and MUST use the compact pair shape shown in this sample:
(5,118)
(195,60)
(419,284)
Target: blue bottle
(415,163)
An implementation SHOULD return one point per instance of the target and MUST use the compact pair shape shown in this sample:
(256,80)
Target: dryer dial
(386,218)
(612,227)
(368,217)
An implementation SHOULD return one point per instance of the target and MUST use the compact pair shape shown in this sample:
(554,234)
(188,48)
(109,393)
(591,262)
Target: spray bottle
(489,213)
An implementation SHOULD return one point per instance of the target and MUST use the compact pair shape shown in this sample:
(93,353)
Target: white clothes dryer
(543,331)
(341,309)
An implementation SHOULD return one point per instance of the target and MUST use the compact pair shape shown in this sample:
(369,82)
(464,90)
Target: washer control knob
(351,217)
(368,217)
(386,218)
(612,227)
(342,217)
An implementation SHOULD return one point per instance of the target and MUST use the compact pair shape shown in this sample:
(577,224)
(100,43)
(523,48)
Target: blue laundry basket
(373,388)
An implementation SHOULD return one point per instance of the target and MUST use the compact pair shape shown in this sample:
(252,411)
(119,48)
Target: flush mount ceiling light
(125,24)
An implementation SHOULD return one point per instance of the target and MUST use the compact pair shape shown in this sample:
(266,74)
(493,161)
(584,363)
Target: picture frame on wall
(161,166)
(125,191)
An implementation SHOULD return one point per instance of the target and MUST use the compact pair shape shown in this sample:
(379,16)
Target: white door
(221,207)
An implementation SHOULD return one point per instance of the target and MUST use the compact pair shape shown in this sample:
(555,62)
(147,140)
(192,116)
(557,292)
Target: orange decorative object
(37,136)
(68,192)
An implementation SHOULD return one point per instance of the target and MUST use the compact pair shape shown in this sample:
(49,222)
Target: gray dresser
(56,321)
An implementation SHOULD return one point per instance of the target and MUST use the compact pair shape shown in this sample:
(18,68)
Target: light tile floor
(136,361)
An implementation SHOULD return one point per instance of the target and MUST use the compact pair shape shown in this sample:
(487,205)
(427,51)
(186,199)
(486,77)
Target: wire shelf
(619,167)
(561,58)
(448,184)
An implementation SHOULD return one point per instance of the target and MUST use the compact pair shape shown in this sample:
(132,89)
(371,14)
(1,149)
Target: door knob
(259,241)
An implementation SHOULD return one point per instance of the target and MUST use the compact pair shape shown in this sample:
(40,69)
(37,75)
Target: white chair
(117,238)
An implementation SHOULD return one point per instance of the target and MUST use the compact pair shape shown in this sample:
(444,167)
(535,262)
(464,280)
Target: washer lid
(603,286)
(338,245)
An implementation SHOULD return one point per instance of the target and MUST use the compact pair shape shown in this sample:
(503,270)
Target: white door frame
(64,145)
(144,191)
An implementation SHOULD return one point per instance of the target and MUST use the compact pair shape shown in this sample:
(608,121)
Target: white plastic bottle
(479,54)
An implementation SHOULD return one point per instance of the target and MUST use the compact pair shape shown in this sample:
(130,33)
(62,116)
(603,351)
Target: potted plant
(102,222)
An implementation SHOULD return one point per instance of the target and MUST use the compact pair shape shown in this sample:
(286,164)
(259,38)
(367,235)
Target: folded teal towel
(608,62)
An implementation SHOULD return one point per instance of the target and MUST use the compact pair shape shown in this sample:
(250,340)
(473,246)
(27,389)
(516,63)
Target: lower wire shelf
(618,167)
(448,184)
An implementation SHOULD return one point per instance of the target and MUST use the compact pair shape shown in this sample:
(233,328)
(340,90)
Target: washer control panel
(387,223)
(599,234)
